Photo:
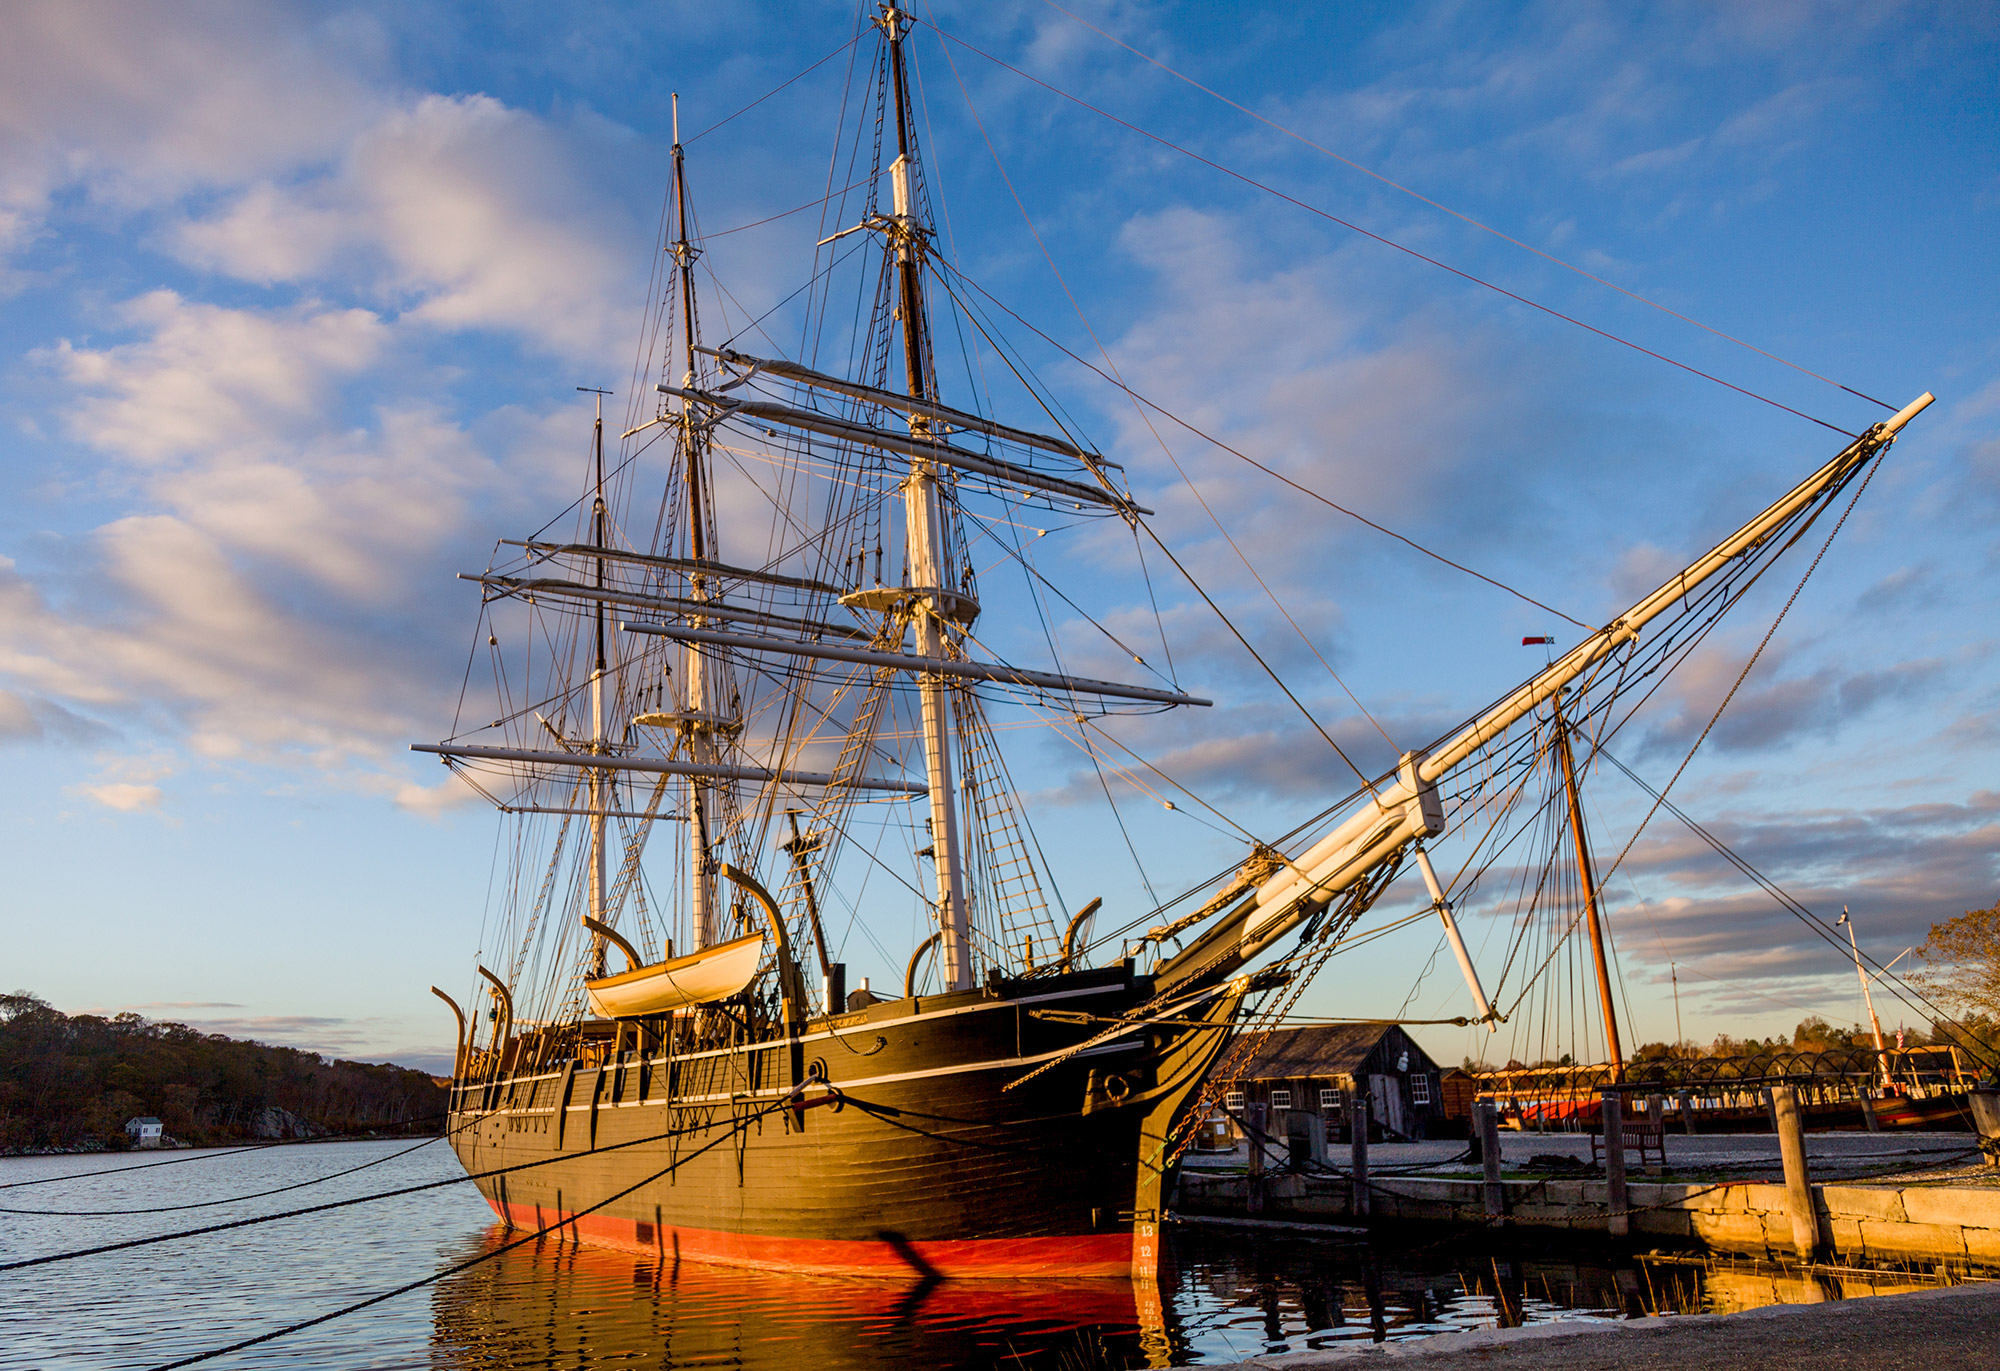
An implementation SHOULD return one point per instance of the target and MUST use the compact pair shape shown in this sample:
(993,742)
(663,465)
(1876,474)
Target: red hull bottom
(1106,1254)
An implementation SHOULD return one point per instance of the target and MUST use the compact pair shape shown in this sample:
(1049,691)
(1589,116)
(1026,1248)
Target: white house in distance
(144,1131)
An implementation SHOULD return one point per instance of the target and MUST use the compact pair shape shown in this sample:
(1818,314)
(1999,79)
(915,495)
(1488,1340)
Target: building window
(1281,1099)
(1420,1088)
(1233,1101)
(1329,1101)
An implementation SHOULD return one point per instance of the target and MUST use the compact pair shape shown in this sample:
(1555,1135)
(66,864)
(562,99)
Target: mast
(1587,874)
(1674,974)
(924,540)
(1867,996)
(599,779)
(696,722)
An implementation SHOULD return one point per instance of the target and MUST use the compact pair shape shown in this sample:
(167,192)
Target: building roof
(142,1122)
(1331,1050)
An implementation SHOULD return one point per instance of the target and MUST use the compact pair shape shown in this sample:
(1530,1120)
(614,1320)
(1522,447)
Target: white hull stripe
(858,1030)
(1115,1047)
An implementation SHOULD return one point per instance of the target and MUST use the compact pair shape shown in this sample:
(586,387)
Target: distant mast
(929,598)
(1586,876)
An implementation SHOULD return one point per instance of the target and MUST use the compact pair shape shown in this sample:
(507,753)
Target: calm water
(1230,1296)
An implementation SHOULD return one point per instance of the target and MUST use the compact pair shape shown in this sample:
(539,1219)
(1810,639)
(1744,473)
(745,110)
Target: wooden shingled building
(1322,1068)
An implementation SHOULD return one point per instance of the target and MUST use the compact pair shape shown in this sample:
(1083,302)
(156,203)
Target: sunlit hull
(929,1166)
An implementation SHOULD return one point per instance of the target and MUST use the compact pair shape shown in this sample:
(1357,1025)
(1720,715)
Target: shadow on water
(1224,1297)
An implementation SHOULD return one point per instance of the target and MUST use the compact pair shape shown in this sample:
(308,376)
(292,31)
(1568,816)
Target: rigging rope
(1214,441)
(1102,351)
(777,88)
(1743,674)
(1798,910)
(1389,242)
(1456,214)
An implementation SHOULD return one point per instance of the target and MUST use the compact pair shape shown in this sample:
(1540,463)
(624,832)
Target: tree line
(1960,973)
(72,1081)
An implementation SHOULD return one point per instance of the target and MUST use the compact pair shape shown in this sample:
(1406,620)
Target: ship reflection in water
(550,1305)
(1223,1297)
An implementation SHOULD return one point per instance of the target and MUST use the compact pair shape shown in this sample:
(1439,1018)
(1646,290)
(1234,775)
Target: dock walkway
(1958,1328)
(1719,1192)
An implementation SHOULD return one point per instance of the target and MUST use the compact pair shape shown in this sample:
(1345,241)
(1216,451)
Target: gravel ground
(1958,1329)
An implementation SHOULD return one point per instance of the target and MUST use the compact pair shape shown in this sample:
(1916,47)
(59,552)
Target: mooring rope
(276,1333)
(230,1152)
(365,1199)
(210,1204)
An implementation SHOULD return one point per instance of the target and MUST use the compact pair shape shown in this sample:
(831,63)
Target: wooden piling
(1867,1099)
(1985,1104)
(1687,1112)
(1253,1119)
(1486,1114)
(1798,1182)
(1611,1111)
(1305,1137)
(1358,1154)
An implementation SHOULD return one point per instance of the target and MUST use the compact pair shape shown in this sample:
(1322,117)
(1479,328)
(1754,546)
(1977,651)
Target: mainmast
(697,723)
(599,779)
(1586,874)
(933,605)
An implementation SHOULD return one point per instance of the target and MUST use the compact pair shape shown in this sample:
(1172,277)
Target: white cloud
(1899,867)
(204,376)
(432,800)
(180,630)
(1778,702)
(462,211)
(1294,366)
(141,102)
(275,591)
(17,718)
(127,784)
(124,795)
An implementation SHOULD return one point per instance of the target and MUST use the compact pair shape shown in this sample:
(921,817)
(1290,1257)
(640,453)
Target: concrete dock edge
(1958,1328)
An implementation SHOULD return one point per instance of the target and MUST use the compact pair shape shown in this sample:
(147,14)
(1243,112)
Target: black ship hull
(884,1142)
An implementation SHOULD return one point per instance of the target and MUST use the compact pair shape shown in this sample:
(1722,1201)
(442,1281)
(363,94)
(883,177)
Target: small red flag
(1535,642)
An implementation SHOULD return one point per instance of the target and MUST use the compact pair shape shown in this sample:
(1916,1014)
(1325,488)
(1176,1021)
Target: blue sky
(297,298)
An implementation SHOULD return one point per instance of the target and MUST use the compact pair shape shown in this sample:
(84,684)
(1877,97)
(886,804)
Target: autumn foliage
(1962,962)
(72,1081)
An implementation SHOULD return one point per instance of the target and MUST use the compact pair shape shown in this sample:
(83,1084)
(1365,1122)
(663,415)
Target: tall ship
(748,711)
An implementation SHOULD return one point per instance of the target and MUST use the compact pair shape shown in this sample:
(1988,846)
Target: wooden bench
(1647,1137)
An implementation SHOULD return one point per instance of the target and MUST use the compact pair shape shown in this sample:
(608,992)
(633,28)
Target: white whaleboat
(713,973)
